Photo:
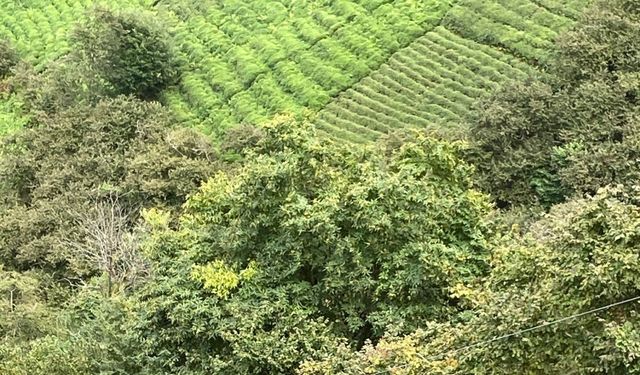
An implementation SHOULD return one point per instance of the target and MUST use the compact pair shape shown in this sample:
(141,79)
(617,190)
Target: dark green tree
(130,51)
(308,243)
(605,42)
(8,58)
(62,165)
(581,256)
(544,140)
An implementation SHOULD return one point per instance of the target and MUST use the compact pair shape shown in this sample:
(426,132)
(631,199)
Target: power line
(516,333)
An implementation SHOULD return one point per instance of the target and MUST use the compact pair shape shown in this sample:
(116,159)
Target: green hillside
(243,62)
(366,66)
(523,28)
(246,61)
(39,29)
(435,80)
(319,187)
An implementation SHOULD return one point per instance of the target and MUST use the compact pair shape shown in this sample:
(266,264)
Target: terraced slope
(436,79)
(368,66)
(245,61)
(39,28)
(524,28)
(433,81)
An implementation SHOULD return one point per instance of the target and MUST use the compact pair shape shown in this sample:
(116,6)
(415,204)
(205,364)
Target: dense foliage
(8,58)
(132,245)
(53,170)
(543,140)
(309,239)
(130,51)
(581,256)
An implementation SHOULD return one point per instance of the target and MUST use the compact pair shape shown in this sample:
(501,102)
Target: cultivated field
(434,81)
(246,61)
(358,68)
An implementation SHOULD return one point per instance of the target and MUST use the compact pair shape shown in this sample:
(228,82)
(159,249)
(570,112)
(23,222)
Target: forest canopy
(506,241)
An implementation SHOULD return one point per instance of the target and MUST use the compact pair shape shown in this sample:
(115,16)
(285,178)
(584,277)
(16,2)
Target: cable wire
(512,334)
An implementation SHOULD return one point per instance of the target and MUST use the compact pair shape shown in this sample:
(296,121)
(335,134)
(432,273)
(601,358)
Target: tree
(23,309)
(65,162)
(130,51)
(106,242)
(513,138)
(8,58)
(63,84)
(306,244)
(90,335)
(605,43)
(544,140)
(581,256)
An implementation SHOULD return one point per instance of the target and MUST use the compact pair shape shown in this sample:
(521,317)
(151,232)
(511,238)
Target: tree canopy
(129,50)
(310,238)
(543,140)
(131,244)
(53,170)
(579,257)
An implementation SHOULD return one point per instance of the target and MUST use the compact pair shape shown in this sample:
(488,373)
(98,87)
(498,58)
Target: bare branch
(107,243)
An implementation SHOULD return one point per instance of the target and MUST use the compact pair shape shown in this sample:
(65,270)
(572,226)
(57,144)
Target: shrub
(8,58)
(130,51)
(308,244)
(543,140)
